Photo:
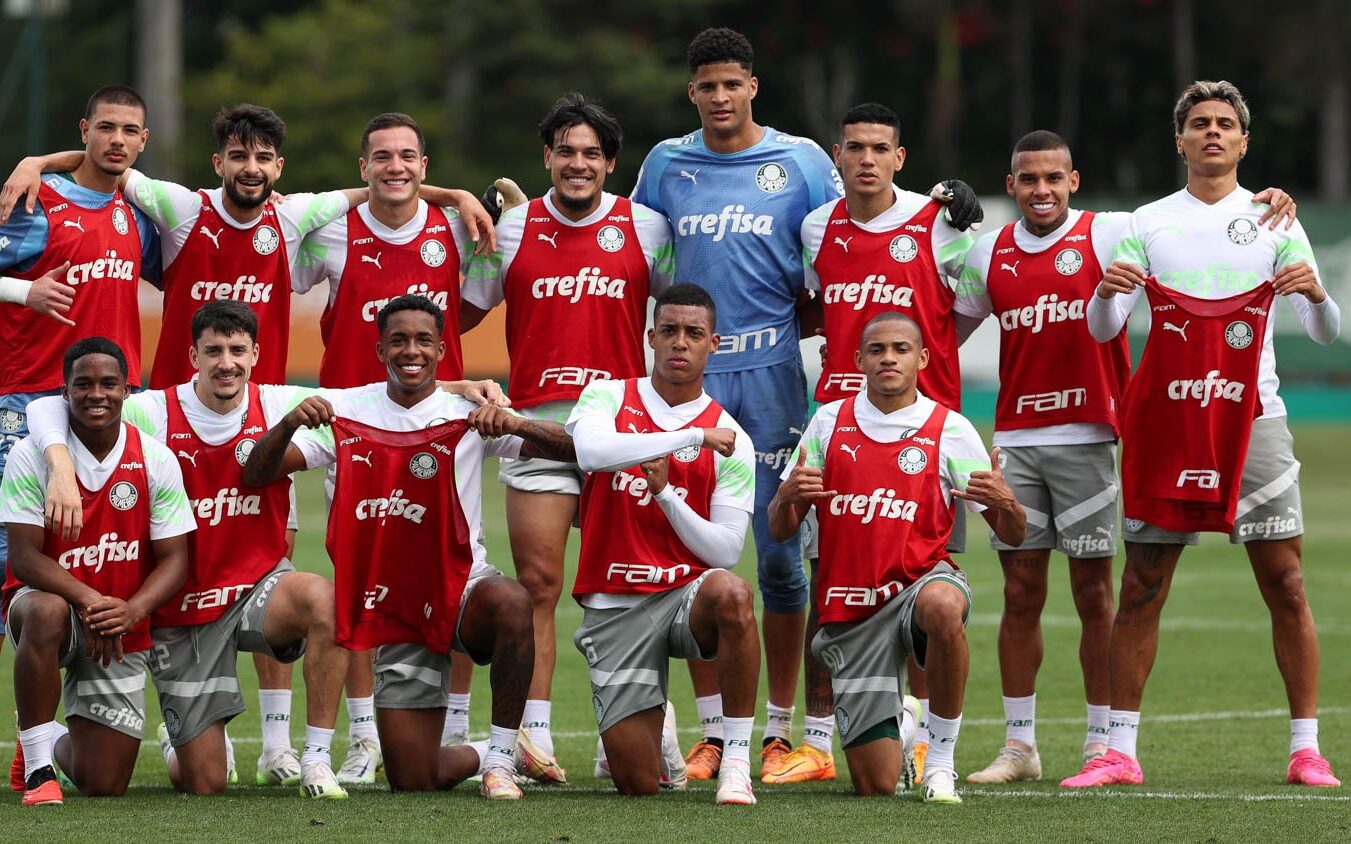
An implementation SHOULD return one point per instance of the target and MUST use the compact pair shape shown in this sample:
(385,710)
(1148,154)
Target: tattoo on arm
(547,440)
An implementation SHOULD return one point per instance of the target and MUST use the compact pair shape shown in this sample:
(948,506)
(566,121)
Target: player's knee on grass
(201,763)
(633,748)
(874,759)
(940,609)
(101,759)
(410,740)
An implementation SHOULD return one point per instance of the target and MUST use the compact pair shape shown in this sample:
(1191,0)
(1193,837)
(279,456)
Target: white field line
(1117,794)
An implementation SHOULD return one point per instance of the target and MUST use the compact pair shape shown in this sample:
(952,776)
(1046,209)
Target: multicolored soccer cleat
(1111,768)
(704,760)
(42,788)
(499,784)
(363,760)
(803,763)
(533,762)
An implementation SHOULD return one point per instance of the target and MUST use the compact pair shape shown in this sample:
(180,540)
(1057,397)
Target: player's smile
(395,166)
(95,391)
(1041,184)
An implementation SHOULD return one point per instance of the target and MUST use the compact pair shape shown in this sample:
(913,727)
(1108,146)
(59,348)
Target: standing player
(576,268)
(408,489)
(652,579)
(1206,262)
(85,606)
(887,588)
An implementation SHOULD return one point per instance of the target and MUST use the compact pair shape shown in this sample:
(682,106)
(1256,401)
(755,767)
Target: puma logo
(693,177)
(1168,326)
(844,242)
(191,458)
(853,452)
(634,428)
(548,238)
(73,224)
(1104,531)
(215,237)
(357,458)
(367,259)
(1013,268)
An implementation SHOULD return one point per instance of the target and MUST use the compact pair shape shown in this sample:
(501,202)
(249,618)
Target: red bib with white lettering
(104,251)
(377,271)
(113,554)
(865,273)
(219,261)
(1051,370)
(1190,408)
(397,536)
(576,305)
(241,530)
(628,545)
(890,522)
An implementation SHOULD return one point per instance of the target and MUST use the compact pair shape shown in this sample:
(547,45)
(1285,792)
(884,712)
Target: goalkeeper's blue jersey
(737,222)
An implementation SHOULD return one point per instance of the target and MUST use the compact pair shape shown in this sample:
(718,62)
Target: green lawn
(1213,743)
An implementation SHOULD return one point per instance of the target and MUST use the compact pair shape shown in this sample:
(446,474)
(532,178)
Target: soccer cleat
(16,769)
(1111,768)
(674,774)
(363,760)
(278,766)
(317,781)
(940,786)
(1308,767)
(602,763)
(703,760)
(734,786)
(772,753)
(803,763)
(1015,762)
(499,784)
(910,706)
(166,747)
(533,762)
(921,753)
(42,789)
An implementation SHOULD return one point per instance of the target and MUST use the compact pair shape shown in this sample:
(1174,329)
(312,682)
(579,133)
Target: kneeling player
(882,468)
(406,537)
(86,607)
(664,514)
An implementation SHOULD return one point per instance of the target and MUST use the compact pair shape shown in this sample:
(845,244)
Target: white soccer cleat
(911,712)
(278,766)
(499,784)
(602,763)
(363,760)
(940,786)
(318,782)
(1015,763)
(166,747)
(734,787)
(673,774)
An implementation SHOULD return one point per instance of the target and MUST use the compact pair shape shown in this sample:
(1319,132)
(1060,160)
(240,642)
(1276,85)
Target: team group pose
(154,531)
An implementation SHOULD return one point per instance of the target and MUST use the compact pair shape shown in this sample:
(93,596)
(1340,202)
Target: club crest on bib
(912,460)
(904,248)
(10,421)
(1242,231)
(243,450)
(123,495)
(120,223)
(423,465)
(433,253)
(688,454)
(771,178)
(1068,261)
(265,240)
(610,238)
(1238,334)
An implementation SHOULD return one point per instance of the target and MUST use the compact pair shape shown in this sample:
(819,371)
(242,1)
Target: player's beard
(575,204)
(232,190)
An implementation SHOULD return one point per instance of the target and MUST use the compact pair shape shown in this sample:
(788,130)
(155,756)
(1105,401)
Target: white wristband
(14,290)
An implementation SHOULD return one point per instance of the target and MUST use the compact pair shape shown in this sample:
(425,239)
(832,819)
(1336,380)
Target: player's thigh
(627,658)
(633,748)
(714,598)
(1085,497)
(938,598)
(1024,477)
(538,523)
(867,664)
(1269,504)
(279,612)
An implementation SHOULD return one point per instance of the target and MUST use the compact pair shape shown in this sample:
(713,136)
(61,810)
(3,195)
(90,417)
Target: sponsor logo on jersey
(874,289)
(120,224)
(265,240)
(572,376)
(618,218)
(638,488)
(765,338)
(771,178)
(1053,400)
(109,266)
(108,549)
(903,248)
(646,573)
(863,596)
(1005,251)
(852,451)
(372,308)
(688,454)
(222,596)
(1205,389)
(1238,334)
(362,241)
(918,228)
(912,460)
(60,206)
(1242,231)
(246,288)
(733,219)
(1203,478)
(1076,238)
(586,282)
(227,504)
(243,450)
(1068,261)
(881,503)
(389,507)
(423,465)
(610,238)
(1048,309)
(849,382)
(433,253)
(436,229)
(774,459)
(123,495)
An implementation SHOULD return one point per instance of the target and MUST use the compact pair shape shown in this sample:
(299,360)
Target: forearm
(267,461)
(35,569)
(966,326)
(444,197)
(1009,525)
(600,448)
(1106,317)
(59,162)
(718,540)
(1322,321)
(785,517)
(547,440)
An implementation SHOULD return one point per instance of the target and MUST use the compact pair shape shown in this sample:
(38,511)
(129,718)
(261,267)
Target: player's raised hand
(313,412)
(805,484)
(1299,278)
(1282,208)
(656,472)
(22,184)
(1121,277)
(493,421)
(63,511)
(989,488)
(963,206)
(721,440)
(502,196)
(51,296)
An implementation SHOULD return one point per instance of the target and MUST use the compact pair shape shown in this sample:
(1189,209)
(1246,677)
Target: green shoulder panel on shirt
(663,260)
(954,251)
(600,399)
(167,503)
(137,412)
(152,197)
(961,469)
(1294,251)
(735,477)
(1131,249)
(312,253)
(22,491)
(971,282)
(323,209)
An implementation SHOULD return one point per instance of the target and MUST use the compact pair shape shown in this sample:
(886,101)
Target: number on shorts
(161,657)
(588,647)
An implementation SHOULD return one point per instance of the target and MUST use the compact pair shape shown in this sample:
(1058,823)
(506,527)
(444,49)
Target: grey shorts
(1070,494)
(867,658)
(111,696)
(410,676)
(811,533)
(1269,504)
(535,474)
(194,667)
(628,651)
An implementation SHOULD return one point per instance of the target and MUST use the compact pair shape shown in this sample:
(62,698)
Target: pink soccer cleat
(1112,768)
(1308,767)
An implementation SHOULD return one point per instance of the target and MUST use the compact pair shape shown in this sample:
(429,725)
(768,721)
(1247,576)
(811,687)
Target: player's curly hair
(573,109)
(92,346)
(1203,90)
(691,295)
(410,302)
(226,317)
(251,125)
(719,44)
(874,113)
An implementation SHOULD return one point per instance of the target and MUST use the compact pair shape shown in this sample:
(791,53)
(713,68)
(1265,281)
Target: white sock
(942,744)
(37,747)
(710,715)
(779,722)
(736,747)
(1099,719)
(317,743)
(1020,719)
(274,710)
(1303,734)
(535,722)
(481,748)
(229,751)
(1124,726)
(818,732)
(457,716)
(924,720)
(501,749)
(361,718)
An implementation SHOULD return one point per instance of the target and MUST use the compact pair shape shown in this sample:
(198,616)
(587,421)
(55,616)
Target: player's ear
(254,356)
(1008,184)
(1074,181)
(923,357)
(858,359)
(361,168)
(716,339)
(217,164)
(440,350)
(900,158)
(755,87)
(835,154)
(281,162)
(84,131)
(610,165)
(651,338)
(192,355)
(689,90)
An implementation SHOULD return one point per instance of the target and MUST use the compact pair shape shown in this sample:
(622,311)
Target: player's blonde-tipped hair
(1203,90)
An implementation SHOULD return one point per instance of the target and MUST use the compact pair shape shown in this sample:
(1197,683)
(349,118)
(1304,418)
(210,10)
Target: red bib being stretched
(890,522)
(397,536)
(1190,408)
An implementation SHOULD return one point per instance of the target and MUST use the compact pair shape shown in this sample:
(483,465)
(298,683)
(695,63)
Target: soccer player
(1206,446)
(882,468)
(664,516)
(85,604)
(406,538)
(575,268)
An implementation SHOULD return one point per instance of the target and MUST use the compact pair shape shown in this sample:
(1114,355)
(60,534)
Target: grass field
(1213,743)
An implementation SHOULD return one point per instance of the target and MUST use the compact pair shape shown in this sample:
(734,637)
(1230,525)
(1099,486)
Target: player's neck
(393,216)
(892,403)
(677,394)
(1042,230)
(89,176)
(409,398)
(866,208)
(574,215)
(745,138)
(99,443)
(213,403)
(1211,189)
(238,212)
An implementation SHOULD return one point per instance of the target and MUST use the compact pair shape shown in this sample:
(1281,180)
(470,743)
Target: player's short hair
(225,316)
(391,120)
(685,294)
(892,316)
(872,113)
(123,95)
(410,302)
(251,125)
(1038,140)
(92,346)
(1203,90)
(719,44)
(573,109)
